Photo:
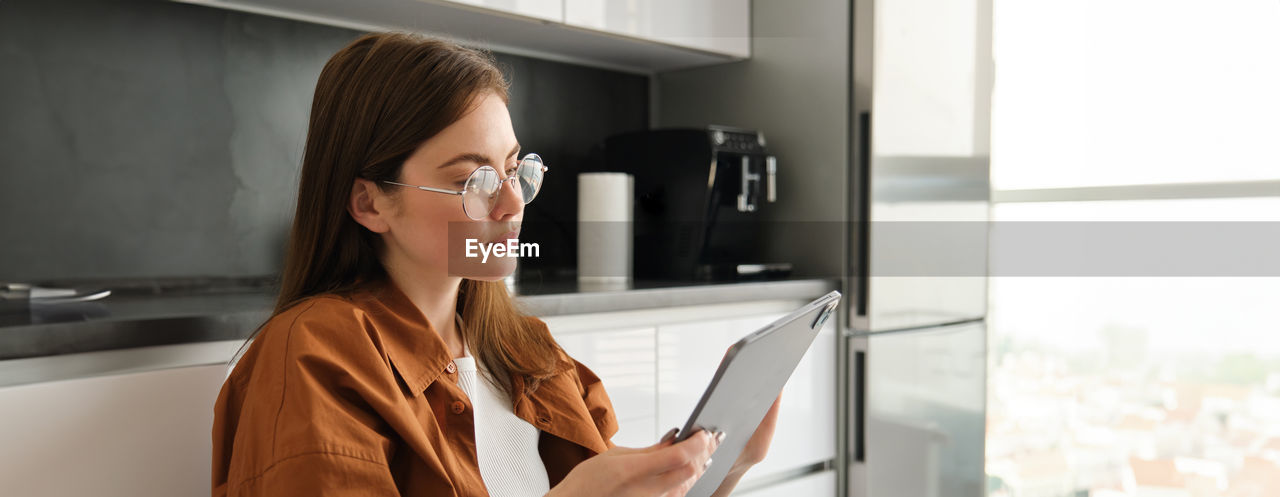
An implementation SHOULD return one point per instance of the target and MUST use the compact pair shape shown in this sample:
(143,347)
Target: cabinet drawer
(625,361)
(141,434)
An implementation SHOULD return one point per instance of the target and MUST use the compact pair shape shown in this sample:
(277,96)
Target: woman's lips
(503,237)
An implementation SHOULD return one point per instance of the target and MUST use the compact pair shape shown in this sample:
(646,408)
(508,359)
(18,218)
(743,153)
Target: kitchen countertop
(131,321)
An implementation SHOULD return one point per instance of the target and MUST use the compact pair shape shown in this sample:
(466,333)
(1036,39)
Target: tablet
(747,382)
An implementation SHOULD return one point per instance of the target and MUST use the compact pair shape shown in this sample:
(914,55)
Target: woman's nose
(510,202)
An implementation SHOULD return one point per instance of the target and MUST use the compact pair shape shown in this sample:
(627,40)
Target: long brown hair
(377,100)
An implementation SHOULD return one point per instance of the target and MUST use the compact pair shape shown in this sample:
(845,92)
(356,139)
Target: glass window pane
(1261,209)
(1115,92)
(1135,386)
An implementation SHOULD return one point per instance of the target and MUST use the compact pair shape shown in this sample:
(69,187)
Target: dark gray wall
(153,139)
(795,89)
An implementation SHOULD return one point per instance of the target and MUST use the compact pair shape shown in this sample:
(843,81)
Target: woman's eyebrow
(476,158)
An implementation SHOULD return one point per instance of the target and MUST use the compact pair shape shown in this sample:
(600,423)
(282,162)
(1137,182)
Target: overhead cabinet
(717,26)
(551,10)
(642,36)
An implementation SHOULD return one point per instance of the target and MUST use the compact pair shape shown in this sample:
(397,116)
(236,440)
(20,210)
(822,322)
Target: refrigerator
(913,365)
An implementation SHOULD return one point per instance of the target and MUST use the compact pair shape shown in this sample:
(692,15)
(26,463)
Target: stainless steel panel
(922,104)
(924,410)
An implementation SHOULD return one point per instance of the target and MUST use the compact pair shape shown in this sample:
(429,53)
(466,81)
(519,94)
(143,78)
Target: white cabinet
(142,434)
(719,26)
(688,355)
(806,431)
(625,362)
(655,365)
(642,36)
(551,10)
(816,485)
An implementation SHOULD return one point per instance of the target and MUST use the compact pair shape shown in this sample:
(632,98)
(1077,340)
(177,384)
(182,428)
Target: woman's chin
(490,271)
(484,278)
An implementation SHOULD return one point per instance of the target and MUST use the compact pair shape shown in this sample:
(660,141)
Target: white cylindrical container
(604,229)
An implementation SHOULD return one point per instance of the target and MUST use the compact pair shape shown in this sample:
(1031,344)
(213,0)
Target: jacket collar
(415,348)
(557,405)
(420,356)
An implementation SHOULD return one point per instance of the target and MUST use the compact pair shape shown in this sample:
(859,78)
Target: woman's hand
(664,469)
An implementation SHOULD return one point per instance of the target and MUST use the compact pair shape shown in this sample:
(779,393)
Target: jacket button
(450,368)
(459,406)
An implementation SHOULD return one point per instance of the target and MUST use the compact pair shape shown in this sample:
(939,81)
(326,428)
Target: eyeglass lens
(480,193)
(530,174)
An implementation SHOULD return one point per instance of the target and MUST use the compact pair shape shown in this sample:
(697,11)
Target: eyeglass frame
(476,171)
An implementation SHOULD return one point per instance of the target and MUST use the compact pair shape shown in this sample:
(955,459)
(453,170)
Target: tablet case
(747,382)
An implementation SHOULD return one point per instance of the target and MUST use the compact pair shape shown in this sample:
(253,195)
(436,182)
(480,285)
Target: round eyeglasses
(480,192)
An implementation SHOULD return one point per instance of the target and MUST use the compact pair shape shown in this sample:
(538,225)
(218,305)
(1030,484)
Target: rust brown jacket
(356,397)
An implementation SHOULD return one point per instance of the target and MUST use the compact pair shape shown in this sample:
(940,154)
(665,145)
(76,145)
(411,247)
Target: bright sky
(1113,92)
(1109,92)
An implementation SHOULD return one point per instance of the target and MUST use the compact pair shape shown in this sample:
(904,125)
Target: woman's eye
(511,170)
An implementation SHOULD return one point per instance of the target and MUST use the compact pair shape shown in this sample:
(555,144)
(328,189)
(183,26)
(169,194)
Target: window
(1117,92)
(1136,111)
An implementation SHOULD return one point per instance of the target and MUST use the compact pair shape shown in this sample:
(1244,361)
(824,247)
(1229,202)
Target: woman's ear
(364,209)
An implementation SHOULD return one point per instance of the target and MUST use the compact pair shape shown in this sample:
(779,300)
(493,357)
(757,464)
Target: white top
(506,446)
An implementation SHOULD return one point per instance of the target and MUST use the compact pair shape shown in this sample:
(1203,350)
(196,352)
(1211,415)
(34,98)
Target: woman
(359,384)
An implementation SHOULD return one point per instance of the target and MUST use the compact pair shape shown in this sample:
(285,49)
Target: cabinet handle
(862,220)
(860,407)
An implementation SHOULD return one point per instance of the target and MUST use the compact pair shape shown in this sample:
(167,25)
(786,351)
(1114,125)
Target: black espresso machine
(699,200)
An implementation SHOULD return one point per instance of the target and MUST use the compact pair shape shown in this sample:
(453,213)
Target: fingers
(669,437)
(665,468)
(666,441)
(712,443)
(687,461)
(672,468)
(691,452)
(680,479)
